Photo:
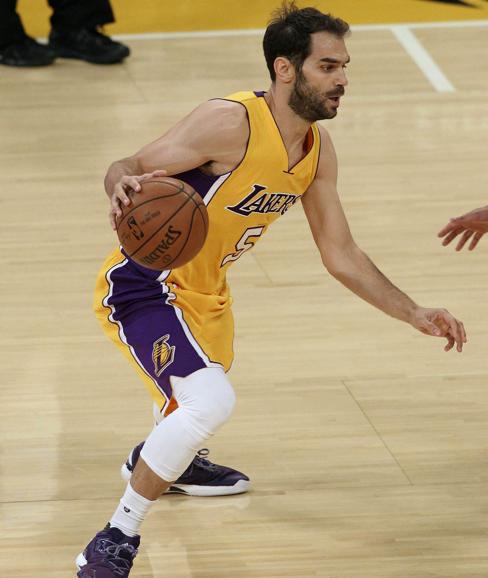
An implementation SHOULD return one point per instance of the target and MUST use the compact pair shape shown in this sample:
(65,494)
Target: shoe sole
(241,487)
(80,561)
(25,64)
(77,56)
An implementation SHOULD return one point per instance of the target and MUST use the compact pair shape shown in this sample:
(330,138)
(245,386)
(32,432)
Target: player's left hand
(472,225)
(440,323)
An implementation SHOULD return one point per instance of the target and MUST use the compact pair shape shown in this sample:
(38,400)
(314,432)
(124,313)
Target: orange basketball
(165,225)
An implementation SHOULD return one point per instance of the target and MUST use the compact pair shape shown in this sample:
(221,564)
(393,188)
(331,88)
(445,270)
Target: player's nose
(342,79)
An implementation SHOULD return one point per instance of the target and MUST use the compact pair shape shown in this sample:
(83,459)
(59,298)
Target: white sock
(131,512)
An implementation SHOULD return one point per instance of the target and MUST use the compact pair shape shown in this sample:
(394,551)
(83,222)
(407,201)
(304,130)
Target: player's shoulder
(324,134)
(327,162)
(327,150)
(223,123)
(227,114)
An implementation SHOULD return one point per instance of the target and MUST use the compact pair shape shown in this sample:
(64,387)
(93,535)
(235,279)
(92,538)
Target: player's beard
(310,104)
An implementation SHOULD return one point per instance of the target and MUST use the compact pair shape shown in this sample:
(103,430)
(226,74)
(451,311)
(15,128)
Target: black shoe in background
(87,44)
(26,52)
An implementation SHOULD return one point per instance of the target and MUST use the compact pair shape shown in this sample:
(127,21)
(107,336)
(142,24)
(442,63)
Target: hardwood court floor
(366,443)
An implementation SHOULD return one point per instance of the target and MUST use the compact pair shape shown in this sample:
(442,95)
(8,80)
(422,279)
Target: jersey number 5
(244,244)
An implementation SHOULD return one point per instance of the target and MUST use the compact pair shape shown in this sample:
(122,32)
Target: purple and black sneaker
(201,478)
(110,554)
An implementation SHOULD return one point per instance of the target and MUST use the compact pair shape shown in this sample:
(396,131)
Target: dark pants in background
(67,15)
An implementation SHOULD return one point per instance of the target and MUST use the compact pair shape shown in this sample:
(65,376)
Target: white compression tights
(205,402)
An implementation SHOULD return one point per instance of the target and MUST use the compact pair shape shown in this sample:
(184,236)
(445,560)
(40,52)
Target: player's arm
(216,131)
(472,225)
(352,267)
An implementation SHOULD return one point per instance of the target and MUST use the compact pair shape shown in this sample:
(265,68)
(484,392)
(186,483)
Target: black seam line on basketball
(145,203)
(205,221)
(199,206)
(186,240)
(180,189)
(191,195)
(161,227)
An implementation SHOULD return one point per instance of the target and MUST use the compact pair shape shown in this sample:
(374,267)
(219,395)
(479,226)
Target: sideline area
(191,15)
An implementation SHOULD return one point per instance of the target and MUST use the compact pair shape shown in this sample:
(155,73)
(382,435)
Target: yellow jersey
(241,205)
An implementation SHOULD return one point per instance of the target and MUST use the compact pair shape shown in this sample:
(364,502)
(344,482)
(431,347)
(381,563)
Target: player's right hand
(120,196)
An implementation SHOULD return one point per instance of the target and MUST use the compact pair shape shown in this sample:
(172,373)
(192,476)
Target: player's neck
(293,128)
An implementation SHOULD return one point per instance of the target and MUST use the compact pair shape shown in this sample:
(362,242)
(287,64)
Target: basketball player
(251,156)
(472,225)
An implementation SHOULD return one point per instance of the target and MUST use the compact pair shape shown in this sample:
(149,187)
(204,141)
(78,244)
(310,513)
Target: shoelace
(120,565)
(202,461)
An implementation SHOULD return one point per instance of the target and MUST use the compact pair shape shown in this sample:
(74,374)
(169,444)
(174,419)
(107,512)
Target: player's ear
(284,70)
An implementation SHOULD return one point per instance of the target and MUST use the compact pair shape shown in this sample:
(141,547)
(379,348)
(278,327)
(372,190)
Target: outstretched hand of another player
(472,225)
(440,323)
(121,189)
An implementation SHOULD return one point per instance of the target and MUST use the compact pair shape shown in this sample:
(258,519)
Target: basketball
(165,225)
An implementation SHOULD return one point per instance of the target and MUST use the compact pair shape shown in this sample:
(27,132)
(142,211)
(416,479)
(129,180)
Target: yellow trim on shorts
(112,328)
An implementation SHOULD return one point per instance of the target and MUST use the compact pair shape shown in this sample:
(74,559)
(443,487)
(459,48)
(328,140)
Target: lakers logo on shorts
(163,354)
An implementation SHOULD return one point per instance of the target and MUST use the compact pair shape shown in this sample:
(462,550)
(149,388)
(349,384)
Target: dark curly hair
(288,33)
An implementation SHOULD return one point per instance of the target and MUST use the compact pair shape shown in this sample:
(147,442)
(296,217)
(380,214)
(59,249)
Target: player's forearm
(359,274)
(127,166)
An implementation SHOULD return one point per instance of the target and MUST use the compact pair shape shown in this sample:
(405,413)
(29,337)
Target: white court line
(402,32)
(260,31)
(422,59)
(190,34)
(445,24)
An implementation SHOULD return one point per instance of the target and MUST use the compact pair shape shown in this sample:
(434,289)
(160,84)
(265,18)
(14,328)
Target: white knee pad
(207,399)
(205,402)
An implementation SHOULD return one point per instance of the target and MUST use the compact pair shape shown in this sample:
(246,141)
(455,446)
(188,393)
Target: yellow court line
(189,15)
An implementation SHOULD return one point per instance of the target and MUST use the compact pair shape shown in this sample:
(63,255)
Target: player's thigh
(140,319)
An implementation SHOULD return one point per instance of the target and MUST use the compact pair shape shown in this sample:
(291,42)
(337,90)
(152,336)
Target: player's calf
(201,478)
(205,402)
